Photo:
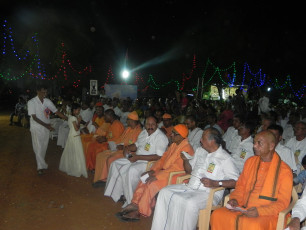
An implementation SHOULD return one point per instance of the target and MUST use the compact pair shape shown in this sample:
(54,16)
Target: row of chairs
(204,214)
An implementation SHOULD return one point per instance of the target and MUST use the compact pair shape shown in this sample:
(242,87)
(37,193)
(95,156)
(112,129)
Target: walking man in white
(178,205)
(124,173)
(39,110)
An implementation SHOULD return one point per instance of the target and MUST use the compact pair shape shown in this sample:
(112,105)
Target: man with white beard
(178,205)
(124,174)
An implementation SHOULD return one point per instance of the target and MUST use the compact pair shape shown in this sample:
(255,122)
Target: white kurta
(288,133)
(263,105)
(286,155)
(299,150)
(86,114)
(231,137)
(194,137)
(40,135)
(124,176)
(178,205)
(243,152)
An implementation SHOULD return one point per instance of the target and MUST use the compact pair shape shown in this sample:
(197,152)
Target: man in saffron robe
(99,124)
(113,133)
(167,125)
(144,196)
(105,158)
(263,190)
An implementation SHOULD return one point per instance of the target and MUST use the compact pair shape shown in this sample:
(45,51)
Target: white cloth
(194,137)
(118,111)
(288,133)
(231,137)
(123,118)
(178,205)
(242,152)
(63,132)
(40,135)
(55,123)
(86,114)
(124,176)
(299,150)
(286,155)
(73,160)
(299,209)
(263,105)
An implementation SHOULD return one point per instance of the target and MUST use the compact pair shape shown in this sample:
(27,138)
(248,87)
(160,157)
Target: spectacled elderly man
(178,205)
(124,174)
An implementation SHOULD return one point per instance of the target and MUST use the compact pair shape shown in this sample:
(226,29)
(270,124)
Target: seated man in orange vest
(114,132)
(262,190)
(144,196)
(105,158)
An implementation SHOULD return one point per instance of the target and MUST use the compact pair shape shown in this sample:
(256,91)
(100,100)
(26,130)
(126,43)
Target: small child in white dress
(73,160)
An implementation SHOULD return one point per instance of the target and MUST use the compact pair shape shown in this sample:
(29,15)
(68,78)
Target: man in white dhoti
(124,173)
(39,110)
(178,205)
(298,213)
(244,149)
(284,152)
(195,133)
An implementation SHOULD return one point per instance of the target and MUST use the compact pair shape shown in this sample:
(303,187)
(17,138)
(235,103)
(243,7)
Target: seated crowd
(258,157)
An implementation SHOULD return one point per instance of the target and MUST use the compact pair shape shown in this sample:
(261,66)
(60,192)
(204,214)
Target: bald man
(262,190)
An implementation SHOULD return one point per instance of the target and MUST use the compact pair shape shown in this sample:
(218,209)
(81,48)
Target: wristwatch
(220,183)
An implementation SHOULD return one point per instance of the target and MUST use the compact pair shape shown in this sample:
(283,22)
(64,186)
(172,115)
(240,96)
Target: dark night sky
(268,37)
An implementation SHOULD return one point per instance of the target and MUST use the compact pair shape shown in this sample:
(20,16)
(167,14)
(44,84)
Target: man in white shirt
(284,152)
(86,113)
(195,133)
(263,104)
(297,144)
(39,110)
(244,150)
(124,173)
(231,136)
(178,205)
(298,213)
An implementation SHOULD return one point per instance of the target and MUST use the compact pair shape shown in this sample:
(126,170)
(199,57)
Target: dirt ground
(54,201)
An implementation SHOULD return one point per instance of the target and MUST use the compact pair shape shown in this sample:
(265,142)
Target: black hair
(75,106)
(250,125)
(278,128)
(191,117)
(304,160)
(41,86)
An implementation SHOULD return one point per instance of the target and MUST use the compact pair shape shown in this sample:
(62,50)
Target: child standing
(73,161)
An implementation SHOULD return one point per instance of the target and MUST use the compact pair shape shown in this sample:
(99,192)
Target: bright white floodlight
(125,74)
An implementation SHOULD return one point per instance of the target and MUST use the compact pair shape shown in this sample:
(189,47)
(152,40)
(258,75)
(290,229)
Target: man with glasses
(178,205)
(144,196)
